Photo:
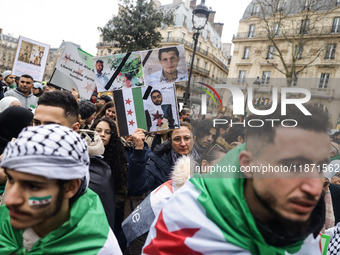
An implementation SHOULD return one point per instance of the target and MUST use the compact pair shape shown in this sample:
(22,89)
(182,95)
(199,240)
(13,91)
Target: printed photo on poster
(160,107)
(36,55)
(150,108)
(118,71)
(164,65)
(30,58)
(25,52)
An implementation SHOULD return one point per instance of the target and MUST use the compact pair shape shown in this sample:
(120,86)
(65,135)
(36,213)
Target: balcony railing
(316,31)
(199,69)
(321,92)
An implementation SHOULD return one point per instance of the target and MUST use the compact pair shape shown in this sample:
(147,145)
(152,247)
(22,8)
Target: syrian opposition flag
(183,227)
(39,202)
(211,216)
(129,110)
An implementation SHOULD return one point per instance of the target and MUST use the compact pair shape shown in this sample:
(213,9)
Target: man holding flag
(249,210)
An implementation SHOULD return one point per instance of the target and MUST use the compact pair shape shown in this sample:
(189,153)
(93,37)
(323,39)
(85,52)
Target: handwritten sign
(75,70)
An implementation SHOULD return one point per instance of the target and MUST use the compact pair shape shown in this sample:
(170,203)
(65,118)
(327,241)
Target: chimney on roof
(212,17)
(219,28)
(193,4)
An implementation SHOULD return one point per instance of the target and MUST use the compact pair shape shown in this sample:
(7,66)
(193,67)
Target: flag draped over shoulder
(211,216)
(86,232)
(129,110)
(140,220)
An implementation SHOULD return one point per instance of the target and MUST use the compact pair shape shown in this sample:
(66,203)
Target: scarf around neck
(223,200)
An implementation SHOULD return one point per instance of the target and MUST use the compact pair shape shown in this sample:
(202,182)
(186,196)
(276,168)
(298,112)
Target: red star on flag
(88,87)
(129,112)
(66,58)
(156,115)
(128,101)
(173,241)
(79,71)
(131,123)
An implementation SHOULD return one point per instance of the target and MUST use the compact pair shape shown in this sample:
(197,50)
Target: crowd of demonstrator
(70,185)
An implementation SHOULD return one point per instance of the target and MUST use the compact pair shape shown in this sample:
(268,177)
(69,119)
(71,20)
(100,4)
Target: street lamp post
(199,19)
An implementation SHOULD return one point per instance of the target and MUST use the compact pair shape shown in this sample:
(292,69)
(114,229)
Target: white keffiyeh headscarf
(52,151)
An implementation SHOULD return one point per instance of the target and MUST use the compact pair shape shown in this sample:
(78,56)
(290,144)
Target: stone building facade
(7,51)
(307,38)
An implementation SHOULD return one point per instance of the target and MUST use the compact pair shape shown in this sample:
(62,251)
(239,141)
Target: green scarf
(225,205)
(336,157)
(84,233)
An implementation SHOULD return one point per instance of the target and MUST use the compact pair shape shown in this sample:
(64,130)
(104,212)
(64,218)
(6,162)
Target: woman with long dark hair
(115,157)
(108,111)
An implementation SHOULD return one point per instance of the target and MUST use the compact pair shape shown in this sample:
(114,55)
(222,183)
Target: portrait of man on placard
(118,71)
(101,78)
(160,107)
(165,65)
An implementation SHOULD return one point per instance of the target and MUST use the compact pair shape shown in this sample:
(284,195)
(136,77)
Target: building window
(207,52)
(298,51)
(304,26)
(277,29)
(270,54)
(189,59)
(205,66)
(199,46)
(242,76)
(251,31)
(324,78)
(256,9)
(336,25)
(337,3)
(330,51)
(246,53)
(183,37)
(266,77)
(197,62)
(169,36)
(184,20)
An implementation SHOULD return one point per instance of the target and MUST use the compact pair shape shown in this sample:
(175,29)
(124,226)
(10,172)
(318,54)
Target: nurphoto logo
(239,105)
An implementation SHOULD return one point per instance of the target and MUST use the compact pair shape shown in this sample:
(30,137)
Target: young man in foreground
(251,211)
(48,208)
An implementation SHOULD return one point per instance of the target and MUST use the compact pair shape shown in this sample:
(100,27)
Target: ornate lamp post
(199,19)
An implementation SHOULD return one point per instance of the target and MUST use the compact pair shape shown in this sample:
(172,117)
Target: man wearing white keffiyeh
(47,204)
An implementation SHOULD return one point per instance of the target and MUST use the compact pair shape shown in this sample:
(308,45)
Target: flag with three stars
(129,110)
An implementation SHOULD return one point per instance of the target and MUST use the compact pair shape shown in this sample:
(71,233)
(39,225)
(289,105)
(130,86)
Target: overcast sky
(51,22)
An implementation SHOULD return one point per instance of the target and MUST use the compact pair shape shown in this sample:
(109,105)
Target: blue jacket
(148,170)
